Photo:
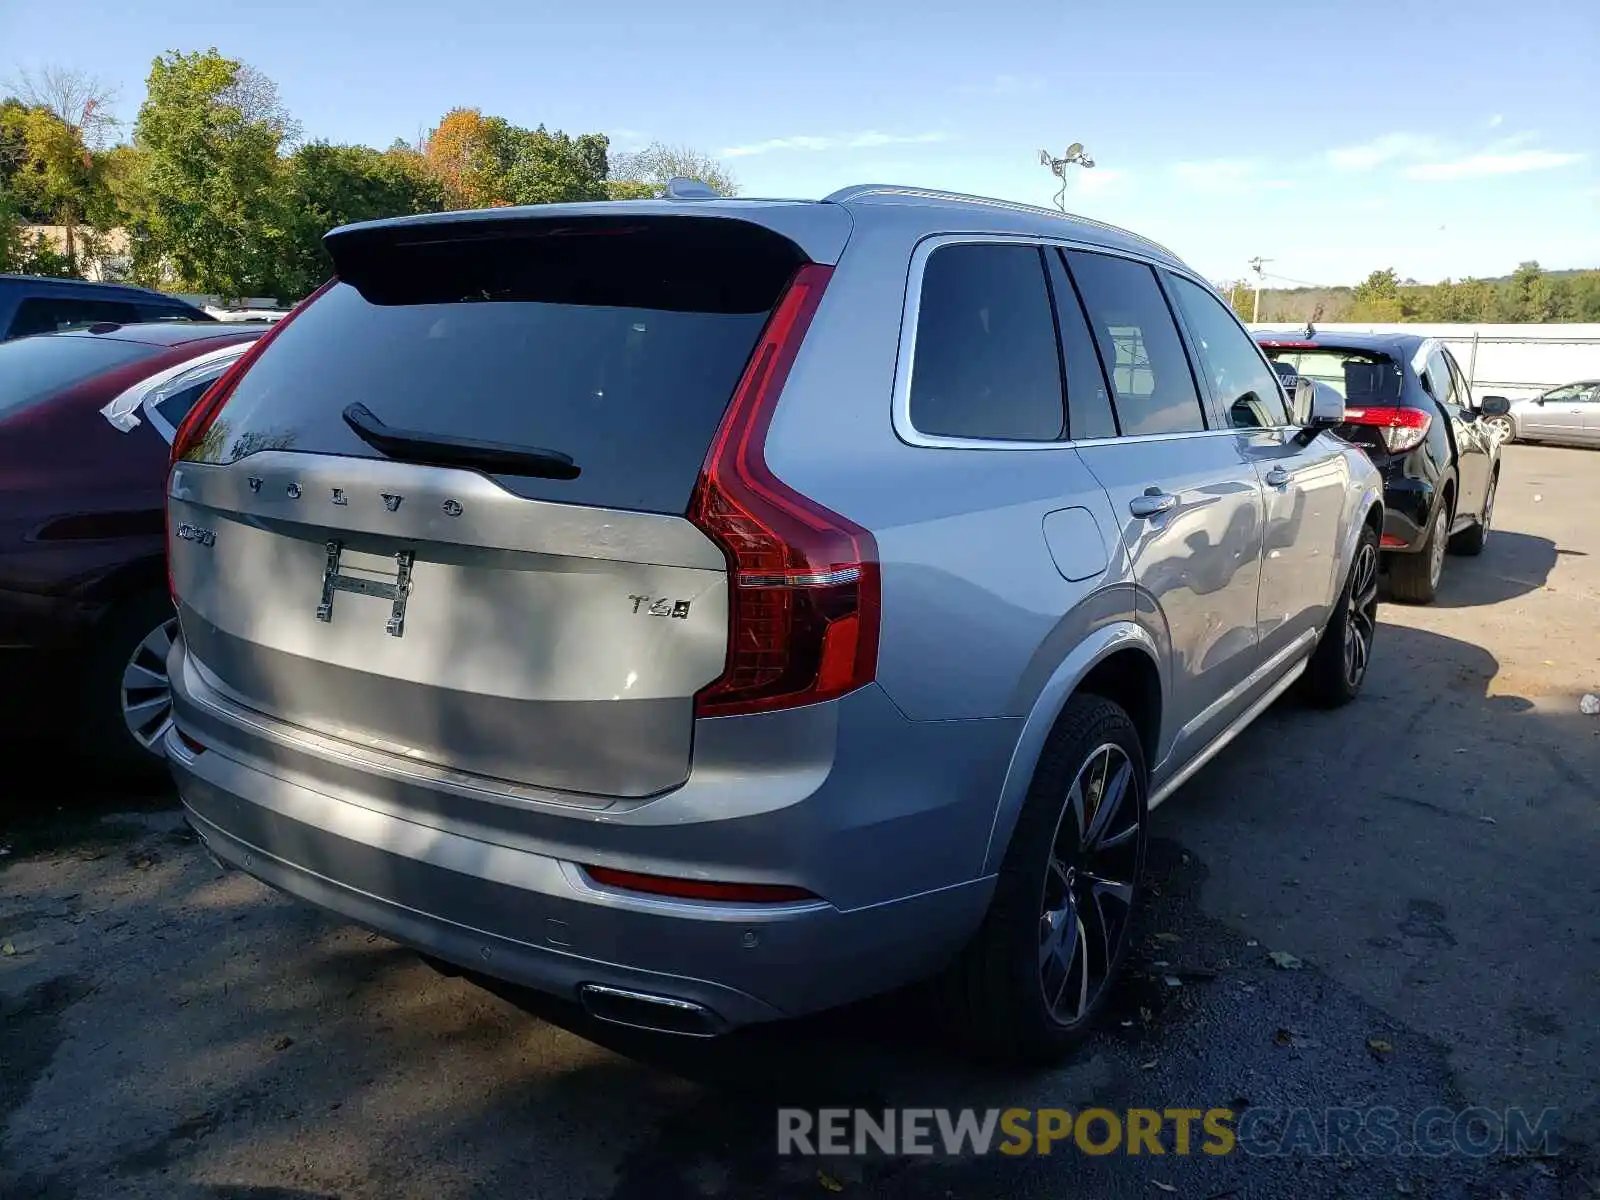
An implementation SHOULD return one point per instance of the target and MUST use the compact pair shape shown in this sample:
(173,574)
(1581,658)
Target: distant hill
(1542,296)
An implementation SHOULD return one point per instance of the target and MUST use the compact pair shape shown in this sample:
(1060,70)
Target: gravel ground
(1427,855)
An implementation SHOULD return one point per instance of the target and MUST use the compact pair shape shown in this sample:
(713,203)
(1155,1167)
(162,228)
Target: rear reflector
(189,743)
(699,889)
(1391,541)
(804,589)
(1401,428)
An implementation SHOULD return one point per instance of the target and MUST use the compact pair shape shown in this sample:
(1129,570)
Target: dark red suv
(86,418)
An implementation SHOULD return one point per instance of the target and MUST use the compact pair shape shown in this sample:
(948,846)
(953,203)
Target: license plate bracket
(397,593)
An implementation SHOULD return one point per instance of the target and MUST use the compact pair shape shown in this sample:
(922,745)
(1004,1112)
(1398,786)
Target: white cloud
(1381,150)
(1227,176)
(855,141)
(1476,166)
(1007,85)
(1496,121)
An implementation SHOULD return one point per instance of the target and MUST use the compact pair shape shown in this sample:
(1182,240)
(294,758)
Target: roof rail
(863,191)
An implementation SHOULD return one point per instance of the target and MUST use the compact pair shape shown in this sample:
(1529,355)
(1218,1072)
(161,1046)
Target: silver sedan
(1569,414)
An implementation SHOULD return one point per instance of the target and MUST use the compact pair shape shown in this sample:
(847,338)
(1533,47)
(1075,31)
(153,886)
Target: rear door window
(1089,412)
(1246,390)
(47,314)
(1441,384)
(1139,342)
(616,342)
(986,364)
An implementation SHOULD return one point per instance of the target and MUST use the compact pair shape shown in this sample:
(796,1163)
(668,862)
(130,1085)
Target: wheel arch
(1119,662)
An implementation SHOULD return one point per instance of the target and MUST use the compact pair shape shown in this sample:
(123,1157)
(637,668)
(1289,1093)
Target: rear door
(1591,416)
(1189,502)
(509,621)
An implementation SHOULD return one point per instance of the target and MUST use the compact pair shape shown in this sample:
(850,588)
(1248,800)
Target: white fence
(1501,360)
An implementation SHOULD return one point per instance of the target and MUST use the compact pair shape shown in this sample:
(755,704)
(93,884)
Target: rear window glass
(1360,376)
(36,368)
(618,344)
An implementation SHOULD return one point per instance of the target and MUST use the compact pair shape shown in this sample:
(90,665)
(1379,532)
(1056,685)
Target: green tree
(23,252)
(51,176)
(211,129)
(1527,296)
(659,163)
(325,186)
(1468,300)
(1377,298)
(1584,291)
(537,166)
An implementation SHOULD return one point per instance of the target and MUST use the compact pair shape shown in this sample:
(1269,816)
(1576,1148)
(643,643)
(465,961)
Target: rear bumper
(514,903)
(1407,511)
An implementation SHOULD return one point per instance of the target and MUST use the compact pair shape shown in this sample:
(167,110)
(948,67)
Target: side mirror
(1317,407)
(1494,406)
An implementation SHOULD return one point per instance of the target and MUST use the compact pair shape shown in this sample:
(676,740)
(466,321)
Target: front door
(1474,446)
(1303,485)
(1190,506)
(1558,414)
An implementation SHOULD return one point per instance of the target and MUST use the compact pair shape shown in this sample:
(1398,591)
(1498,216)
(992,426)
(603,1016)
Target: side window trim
(900,402)
(125,410)
(904,427)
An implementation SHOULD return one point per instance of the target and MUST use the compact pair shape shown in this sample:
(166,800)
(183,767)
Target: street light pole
(1256,264)
(1074,157)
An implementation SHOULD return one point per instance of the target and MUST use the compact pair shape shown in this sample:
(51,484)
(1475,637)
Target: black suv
(1408,406)
(36,304)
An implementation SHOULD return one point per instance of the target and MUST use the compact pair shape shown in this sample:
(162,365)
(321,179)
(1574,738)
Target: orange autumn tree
(460,157)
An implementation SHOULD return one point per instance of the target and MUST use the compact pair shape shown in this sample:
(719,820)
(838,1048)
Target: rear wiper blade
(443,450)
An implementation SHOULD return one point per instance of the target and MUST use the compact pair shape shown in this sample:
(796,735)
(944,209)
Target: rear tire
(1061,916)
(1339,664)
(1414,578)
(124,687)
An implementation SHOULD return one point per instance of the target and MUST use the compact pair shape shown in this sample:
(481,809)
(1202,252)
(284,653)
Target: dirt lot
(1429,854)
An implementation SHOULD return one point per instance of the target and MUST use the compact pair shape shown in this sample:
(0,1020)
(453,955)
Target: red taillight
(699,889)
(193,427)
(205,409)
(804,589)
(1401,428)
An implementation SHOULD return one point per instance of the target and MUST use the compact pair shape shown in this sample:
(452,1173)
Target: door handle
(1153,503)
(1277,477)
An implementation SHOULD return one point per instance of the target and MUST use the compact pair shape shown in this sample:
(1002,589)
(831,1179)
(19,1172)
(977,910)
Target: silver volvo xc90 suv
(717,610)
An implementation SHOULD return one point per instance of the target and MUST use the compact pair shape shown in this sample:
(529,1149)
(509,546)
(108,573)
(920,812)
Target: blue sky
(1443,138)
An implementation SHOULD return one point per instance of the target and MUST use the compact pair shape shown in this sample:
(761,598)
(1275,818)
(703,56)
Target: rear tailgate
(1371,383)
(502,621)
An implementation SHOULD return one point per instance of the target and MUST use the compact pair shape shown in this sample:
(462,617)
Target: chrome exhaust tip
(642,1010)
